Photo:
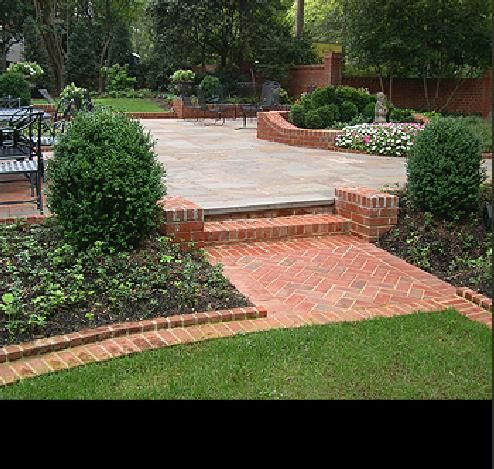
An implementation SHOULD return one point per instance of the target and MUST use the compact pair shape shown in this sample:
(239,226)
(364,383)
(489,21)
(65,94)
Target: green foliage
(348,111)
(331,105)
(82,65)
(183,75)
(369,111)
(117,79)
(76,288)
(75,94)
(329,113)
(401,115)
(313,119)
(425,38)
(297,115)
(30,70)
(480,127)
(105,181)
(444,169)
(15,85)
(210,86)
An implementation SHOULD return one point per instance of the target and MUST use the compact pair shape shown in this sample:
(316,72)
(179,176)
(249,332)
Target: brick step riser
(270,213)
(275,233)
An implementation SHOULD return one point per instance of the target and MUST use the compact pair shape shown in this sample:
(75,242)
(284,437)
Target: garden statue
(381,109)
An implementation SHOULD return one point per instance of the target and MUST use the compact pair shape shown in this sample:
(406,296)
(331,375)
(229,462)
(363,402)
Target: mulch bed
(58,291)
(449,250)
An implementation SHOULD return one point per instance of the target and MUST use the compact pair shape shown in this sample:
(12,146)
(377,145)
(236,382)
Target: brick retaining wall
(274,127)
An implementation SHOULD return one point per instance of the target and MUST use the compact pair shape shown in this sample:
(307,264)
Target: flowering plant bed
(47,288)
(387,139)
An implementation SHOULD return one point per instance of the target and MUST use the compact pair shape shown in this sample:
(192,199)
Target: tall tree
(428,38)
(299,24)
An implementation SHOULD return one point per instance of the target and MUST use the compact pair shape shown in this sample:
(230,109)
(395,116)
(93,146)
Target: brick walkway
(340,276)
(301,282)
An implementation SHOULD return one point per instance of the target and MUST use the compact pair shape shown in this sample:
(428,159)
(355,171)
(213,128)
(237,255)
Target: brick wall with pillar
(371,212)
(321,75)
(184,220)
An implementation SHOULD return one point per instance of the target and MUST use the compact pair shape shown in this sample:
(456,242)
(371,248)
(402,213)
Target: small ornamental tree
(105,181)
(444,169)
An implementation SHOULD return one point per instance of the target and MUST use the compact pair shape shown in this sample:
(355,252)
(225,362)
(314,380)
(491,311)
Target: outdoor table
(7,113)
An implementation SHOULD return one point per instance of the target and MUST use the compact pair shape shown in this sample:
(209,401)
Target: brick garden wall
(473,96)
(321,75)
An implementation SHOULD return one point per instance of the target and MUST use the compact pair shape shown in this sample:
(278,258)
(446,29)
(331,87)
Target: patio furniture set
(24,132)
(245,91)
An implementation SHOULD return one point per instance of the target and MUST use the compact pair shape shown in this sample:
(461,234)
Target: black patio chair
(213,104)
(61,118)
(270,100)
(20,154)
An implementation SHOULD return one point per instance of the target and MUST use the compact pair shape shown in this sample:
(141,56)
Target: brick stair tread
(261,223)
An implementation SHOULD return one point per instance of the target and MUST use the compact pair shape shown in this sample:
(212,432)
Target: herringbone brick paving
(301,282)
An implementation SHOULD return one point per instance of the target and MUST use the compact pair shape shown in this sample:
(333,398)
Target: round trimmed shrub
(348,111)
(444,169)
(328,114)
(322,97)
(313,120)
(15,85)
(105,181)
(369,111)
(297,115)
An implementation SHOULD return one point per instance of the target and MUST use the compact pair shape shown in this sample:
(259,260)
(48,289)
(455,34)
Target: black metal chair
(61,118)
(20,154)
(270,99)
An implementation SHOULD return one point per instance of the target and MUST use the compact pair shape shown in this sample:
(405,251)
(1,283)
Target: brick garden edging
(11,353)
(476,298)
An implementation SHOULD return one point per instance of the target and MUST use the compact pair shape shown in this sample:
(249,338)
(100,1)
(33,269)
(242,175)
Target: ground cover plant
(458,251)
(386,139)
(420,356)
(48,287)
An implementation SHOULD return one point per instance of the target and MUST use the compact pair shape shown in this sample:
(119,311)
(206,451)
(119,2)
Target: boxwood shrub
(104,181)
(444,169)
(15,85)
(326,106)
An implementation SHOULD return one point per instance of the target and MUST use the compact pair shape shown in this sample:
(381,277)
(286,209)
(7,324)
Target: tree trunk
(46,17)
(299,23)
(102,56)
(3,57)
(390,88)
(426,93)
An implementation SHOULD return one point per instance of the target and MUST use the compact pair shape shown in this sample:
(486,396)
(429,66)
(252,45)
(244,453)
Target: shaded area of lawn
(422,356)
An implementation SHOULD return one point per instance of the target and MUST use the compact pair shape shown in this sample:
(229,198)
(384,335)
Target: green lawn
(422,356)
(122,104)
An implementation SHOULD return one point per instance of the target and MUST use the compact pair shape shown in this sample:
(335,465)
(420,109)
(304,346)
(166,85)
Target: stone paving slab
(219,166)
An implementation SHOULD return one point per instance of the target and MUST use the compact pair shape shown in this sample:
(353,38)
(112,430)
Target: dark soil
(458,252)
(58,291)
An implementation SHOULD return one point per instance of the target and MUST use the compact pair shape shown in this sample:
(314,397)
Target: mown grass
(421,356)
(122,104)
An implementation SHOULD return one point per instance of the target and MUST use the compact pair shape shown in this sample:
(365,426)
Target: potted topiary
(184,81)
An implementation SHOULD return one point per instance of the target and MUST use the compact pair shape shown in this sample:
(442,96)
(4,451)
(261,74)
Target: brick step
(263,229)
